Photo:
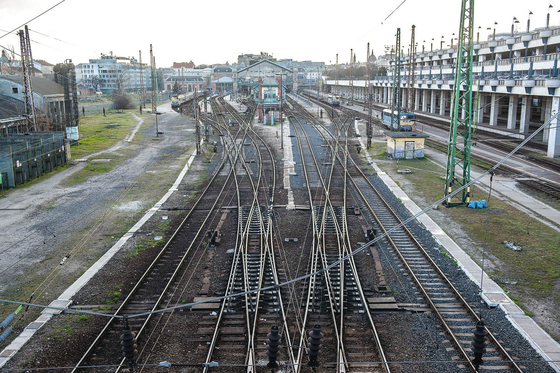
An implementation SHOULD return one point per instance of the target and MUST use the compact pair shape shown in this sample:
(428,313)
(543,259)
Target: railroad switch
(477,345)
(273,343)
(314,345)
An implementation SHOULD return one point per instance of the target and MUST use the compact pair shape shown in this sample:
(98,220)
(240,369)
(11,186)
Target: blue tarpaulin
(478,204)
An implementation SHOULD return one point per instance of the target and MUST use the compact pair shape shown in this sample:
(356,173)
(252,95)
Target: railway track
(489,139)
(335,301)
(229,245)
(157,284)
(455,315)
(253,267)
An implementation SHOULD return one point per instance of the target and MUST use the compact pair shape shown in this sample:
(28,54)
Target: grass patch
(114,294)
(99,133)
(144,243)
(535,268)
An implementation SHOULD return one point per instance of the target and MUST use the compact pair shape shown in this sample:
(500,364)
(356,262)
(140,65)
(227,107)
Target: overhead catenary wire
(332,265)
(32,19)
(493,168)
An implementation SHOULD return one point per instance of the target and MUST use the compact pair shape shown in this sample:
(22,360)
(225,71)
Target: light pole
(548,33)
(513,22)
(510,43)
(280,97)
(526,38)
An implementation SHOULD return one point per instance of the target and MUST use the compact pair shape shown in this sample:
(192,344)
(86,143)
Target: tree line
(355,72)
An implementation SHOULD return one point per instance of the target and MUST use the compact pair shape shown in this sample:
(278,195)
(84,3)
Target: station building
(245,79)
(515,81)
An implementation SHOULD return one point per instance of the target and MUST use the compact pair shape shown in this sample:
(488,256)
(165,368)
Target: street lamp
(548,15)
(529,21)
(513,22)
(510,43)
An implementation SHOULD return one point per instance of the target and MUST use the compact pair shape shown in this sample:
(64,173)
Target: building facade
(515,80)
(110,74)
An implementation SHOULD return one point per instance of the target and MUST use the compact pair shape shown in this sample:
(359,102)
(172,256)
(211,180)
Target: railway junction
(381,309)
(293,251)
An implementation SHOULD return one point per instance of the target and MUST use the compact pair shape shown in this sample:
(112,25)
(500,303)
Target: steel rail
(340,128)
(156,260)
(465,304)
(343,245)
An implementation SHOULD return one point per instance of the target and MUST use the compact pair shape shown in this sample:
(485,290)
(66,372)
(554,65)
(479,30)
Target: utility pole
(462,101)
(27,72)
(142,93)
(156,94)
(206,126)
(367,77)
(280,95)
(152,79)
(197,124)
(154,88)
(351,76)
(29,54)
(337,72)
(396,103)
(369,94)
(411,98)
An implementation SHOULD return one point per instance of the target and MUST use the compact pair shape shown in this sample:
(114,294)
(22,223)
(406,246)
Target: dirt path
(47,222)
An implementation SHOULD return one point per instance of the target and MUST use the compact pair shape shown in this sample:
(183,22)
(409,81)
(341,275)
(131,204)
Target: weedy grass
(98,132)
(535,268)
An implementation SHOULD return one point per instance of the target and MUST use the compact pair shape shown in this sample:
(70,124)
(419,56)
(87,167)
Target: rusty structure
(27,71)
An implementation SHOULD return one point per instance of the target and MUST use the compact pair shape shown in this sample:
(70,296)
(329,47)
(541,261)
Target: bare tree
(95,82)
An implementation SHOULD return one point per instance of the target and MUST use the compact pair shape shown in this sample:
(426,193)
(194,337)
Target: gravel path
(46,222)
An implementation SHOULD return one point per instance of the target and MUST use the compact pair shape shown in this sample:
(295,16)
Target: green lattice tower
(396,103)
(459,158)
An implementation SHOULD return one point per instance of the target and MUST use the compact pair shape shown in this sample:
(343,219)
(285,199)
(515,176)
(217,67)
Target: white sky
(209,32)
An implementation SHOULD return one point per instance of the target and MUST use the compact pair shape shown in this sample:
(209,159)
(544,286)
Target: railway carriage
(177,101)
(408,120)
(328,98)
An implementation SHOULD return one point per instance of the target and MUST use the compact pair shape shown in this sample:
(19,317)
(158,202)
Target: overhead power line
(32,19)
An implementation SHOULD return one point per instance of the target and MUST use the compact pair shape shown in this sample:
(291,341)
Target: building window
(15,90)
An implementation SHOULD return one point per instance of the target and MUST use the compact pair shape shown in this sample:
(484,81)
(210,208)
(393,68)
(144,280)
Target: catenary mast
(459,157)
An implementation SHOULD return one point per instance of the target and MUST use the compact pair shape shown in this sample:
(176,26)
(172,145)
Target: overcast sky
(210,32)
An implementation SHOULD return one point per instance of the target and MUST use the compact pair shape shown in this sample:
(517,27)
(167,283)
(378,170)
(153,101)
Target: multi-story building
(109,74)
(515,79)
(308,73)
